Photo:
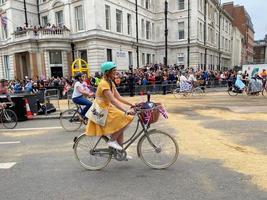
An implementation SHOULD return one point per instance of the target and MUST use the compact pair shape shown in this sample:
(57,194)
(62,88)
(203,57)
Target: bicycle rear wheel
(231,91)
(83,151)
(9,119)
(71,120)
(158,149)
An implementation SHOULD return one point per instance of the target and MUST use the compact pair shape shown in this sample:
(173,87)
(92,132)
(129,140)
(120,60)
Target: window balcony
(53,33)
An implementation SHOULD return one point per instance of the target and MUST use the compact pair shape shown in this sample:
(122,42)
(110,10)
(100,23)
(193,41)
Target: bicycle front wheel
(91,152)
(232,92)
(158,149)
(71,120)
(9,119)
(197,91)
(176,92)
(264,92)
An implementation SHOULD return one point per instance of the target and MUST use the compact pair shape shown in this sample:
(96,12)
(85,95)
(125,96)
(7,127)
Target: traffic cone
(28,110)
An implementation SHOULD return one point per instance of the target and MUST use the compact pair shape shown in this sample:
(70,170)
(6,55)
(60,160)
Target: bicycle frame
(133,138)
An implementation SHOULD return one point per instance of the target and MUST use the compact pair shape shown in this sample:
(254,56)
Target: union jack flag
(3,21)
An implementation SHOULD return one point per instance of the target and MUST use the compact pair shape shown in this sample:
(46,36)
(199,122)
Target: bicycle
(71,119)
(233,90)
(8,117)
(93,154)
(195,91)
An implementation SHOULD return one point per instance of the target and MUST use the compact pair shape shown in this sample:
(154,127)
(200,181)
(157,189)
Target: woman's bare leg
(118,136)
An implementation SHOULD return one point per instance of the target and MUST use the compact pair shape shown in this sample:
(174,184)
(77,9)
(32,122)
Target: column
(43,73)
(69,62)
(33,65)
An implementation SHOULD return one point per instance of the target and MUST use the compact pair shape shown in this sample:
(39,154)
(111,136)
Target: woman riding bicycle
(79,93)
(107,97)
(185,84)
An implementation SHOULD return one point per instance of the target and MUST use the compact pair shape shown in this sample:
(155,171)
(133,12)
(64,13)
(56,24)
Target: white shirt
(183,78)
(76,92)
(192,78)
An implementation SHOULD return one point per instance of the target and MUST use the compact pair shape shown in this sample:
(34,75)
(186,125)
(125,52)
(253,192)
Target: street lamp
(137,34)
(166,34)
(25,13)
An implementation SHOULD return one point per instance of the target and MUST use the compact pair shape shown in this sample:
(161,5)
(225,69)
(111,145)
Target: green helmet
(107,66)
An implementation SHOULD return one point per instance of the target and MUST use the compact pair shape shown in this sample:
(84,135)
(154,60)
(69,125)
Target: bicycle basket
(150,116)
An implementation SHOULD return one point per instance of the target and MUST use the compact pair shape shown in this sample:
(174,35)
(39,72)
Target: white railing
(40,34)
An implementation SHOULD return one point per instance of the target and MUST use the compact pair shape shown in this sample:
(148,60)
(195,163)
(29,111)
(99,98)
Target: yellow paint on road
(227,115)
(202,143)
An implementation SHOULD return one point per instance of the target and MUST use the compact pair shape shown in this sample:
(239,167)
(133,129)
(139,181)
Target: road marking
(7,165)
(32,129)
(15,142)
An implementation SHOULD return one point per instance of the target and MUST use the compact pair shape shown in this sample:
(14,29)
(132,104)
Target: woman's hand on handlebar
(91,94)
(130,112)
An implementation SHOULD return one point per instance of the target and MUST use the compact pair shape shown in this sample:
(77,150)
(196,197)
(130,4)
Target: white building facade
(199,35)
(238,39)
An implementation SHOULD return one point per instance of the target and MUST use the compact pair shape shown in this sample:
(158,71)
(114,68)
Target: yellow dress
(116,119)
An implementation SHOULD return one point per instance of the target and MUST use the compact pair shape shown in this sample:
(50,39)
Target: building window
(180,4)
(153,31)
(119,20)
(147,4)
(181,34)
(200,59)
(201,32)
(148,31)
(130,55)
(129,24)
(107,13)
(55,57)
(143,3)
(59,18)
(180,59)
(83,54)
(79,18)
(143,28)
(44,20)
(109,54)
(148,58)
(143,59)
(200,5)
(6,67)
(2,2)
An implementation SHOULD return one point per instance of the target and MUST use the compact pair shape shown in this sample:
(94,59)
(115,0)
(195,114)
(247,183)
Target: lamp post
(205,34)
(25,13)
(166,34)
(188,36)
(38,12)
(137,34)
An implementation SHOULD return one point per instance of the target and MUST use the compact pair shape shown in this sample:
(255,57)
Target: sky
(257,10)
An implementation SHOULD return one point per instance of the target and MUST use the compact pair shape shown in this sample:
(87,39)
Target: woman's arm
(113,100)
(119,98)
(82,91)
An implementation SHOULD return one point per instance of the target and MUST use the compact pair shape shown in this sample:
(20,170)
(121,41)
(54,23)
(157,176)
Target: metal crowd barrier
(126,90)
(69,98)
(51,94)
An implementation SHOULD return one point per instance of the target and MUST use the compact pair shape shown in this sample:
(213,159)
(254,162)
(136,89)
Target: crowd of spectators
(52,28)
(148,77)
